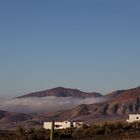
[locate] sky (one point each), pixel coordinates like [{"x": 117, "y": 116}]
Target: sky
[{"x": 91, "y": 45}]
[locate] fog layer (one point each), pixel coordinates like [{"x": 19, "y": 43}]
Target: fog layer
[{"x": 44, "y": 104}]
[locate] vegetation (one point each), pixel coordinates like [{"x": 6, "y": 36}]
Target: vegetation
[{"x": 106, "y": 131}]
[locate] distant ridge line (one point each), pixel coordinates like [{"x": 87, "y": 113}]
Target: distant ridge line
[{"x": 61, "y": 92}]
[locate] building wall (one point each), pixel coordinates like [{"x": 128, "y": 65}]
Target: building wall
[
  {"x": 66, "y": 124},
  {"x": 133, "y": 118},
  {"x": 62, "y": 125},
  {"x": 47, "y": 125},
  {"x": 58, "y": 125},
  {"x": 77, "y": 124}
]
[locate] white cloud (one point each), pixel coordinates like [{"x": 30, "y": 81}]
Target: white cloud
[{"x": 44, "y": 104}]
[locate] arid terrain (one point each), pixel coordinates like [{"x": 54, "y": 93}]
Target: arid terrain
[{"x": 112, "y": 107}]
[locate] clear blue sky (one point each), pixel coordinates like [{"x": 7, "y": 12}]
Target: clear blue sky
[{"x": 92, "y": 45}]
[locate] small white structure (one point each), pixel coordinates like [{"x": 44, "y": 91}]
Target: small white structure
[
  {"x": 133, "y": 118},
  {"x": 77, "y": 124},
  {"x": 62, "y": 125}
]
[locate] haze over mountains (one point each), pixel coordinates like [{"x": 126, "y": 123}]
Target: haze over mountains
[
  {"x": 49, "y": 100},
  {"x": 71, "y": 104}
]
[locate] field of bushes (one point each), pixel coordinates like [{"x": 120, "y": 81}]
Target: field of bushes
[{"x": 106, "y": 131}]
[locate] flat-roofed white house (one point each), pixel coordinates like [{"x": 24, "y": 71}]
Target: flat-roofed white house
[
  {"x": 133, "y": 118},
  {"x": 62, "y": 125}
]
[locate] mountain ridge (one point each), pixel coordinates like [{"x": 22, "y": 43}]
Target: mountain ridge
[
  {"x": 61, "y": 92},
  {"x": 119, "y": 105}
]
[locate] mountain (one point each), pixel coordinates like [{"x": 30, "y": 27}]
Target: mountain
[
  {"x": 116, "y": 108},
  {"x": 61, "y": 92},
  {"x": 126, "y": 102},
  {"x": 6, "y": 117},
  {"x": 125, "y": 95},
  {"x": 114, "y": 94}
]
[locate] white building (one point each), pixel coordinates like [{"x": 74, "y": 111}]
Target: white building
[
  {"x": 77, "y": 124},
  {"x": 62, "y": 125},
  {"x": 133, "y": 118}
]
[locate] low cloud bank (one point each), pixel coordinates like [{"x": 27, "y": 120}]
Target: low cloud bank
[{"x": 44, "y": 104}]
